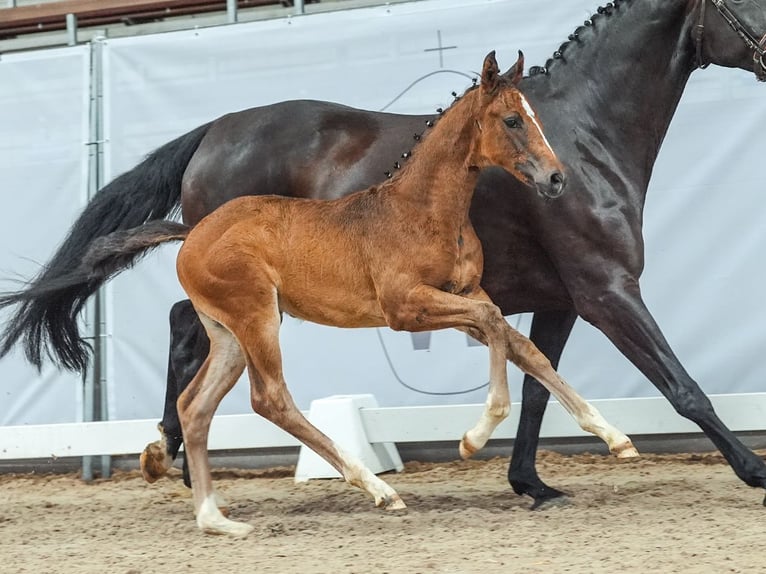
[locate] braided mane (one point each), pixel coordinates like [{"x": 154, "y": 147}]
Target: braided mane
[{"x": 578, "y": 36}]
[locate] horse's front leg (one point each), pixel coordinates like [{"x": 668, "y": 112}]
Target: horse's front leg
[
  {"x": 549, "y": 332},
  {"x": 621, "y": 314}
]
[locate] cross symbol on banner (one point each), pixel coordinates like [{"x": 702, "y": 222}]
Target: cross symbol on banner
[{"x": 440, "y": 48}]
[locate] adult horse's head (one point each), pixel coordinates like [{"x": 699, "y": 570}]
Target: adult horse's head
[
  {"x": 511, "y": 135},
  {"x": 732, "y": 33}
]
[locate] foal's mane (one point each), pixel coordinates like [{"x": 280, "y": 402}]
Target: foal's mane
[
  {"x": 581, "y": 34},
  {"x": 418, "y": 138}
]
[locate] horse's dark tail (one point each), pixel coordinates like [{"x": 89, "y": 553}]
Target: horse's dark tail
[{"x": 46, "y": 320}]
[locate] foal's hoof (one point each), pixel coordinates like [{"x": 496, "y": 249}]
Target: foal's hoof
[
  {"x": 228, "y": 528},
  {"x": 393, "y": 503},
  {"x": 155, "y": 461},
  {"x": 467, "y": 450},
  {"x": 625, "y": 450},
  {"x": 211, "y": 521}
]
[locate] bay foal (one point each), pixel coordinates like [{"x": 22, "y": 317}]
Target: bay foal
[{"x": 402, "y": 254}]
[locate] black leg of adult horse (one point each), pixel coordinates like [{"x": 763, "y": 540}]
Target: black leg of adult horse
[
  {"x": 189, "y": 346},
  {"x": 550, "y": 331},
  {"x": 623, "y": 317}
]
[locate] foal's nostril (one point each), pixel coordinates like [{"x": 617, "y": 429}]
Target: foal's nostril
[{"x": 558, "y": 182}]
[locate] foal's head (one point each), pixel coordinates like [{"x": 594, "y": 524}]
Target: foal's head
[{"x": 509, "y": 134}]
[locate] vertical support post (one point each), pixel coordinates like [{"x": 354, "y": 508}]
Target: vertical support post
[
  {"x": 100, "y": 361},
  {"x": 300, "y": 6},
  {"x": 11, "y": 3},
  {"x": 231, "y": 11},
  {"x": 88, "y": 413},
  {"x": 95, "y": 406},
  {"x": 71, "y": 30}
]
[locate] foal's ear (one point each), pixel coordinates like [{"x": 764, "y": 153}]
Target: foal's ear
[
  {"x": 516, "y": 72},
  {"x": 490, "y": 74}
]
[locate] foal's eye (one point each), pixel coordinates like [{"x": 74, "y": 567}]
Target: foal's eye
[{"x": 513, "y": 121}]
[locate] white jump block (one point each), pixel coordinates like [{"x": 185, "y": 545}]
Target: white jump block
[{"x": 340, "y": 419}]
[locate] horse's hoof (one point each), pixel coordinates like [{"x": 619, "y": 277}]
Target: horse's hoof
[
  {"x": 394, "y": 503},
  {"x": 625, "y": 450},
  {"x": 467, "y": 450},
  {"x": 154, "y": 461},
  {"x": 764, "y": 500},
  {"x": 548, "y": 503}
]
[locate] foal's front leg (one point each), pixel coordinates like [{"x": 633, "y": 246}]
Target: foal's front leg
[
  {"x": 519, "y": 350},
  {"x": 525, "y": 355},
  {"x": 426, "y": 308}
]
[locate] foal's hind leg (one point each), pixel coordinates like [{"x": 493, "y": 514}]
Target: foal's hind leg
[
  {"x": 189, "y": 346},
  {"x": 196, "y": 407},
  {"x": 271, "y": 399}
]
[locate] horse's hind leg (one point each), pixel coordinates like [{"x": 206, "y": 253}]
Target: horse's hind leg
[
  {"x": 196, "y": 407},
  {"x": 189, "y": 346},
  {"x": 271, "y": 399},
  {"x": 523, "y": 353}
]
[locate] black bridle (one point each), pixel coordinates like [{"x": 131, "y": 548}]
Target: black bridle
[{"x": 751, "y": 40}]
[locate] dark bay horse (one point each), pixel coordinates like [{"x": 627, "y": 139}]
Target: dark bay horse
[
  {"x": 401, "y": 254},
  {"x": 606, "y": 97}
]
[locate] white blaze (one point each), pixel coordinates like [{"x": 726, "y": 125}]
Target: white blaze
[{"x": 531, "y": 113}]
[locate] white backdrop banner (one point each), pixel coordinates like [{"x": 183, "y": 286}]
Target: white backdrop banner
[
  {"x": 703, "y": 222},
  {"x": 702, "y": 270},
  {"x": 43, "y": 170}
]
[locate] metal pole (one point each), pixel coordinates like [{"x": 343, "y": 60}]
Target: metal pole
[
  {"x": 231, "y": 11},
  {"x": 89, "y": 379},
  {"x": 95, "y": 406},
  {"x": 100, "y": 362},
  {"x": 300, "y": 7},
  {"x": 102, "y": 407},
  {"x": 71, "y": 29}
]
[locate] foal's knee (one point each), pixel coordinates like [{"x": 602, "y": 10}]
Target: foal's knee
[
  {"x": 491, "y": 322},
  {"x": 524, "y": 353}
]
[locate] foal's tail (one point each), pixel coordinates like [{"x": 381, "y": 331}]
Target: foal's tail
[
  {"x": 106, "y": 256},
  {"x": 46, "y": 319}
]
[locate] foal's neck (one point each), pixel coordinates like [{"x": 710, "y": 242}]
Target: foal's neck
[{"x": 438, "y": 177}]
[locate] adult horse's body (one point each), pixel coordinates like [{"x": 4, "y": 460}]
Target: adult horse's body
[{"x": 606, "y": 100}]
